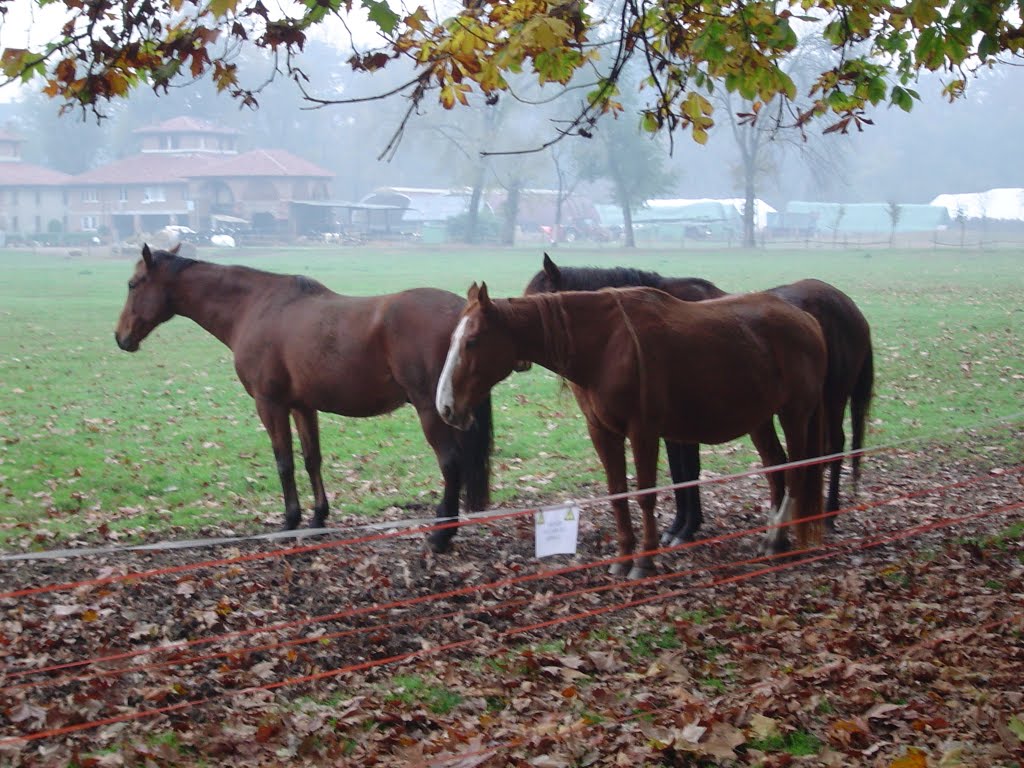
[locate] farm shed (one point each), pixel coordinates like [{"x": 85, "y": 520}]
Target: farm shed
[
  {"x": 870, "y": 217},
  {"x": 1005, "y": 204}
]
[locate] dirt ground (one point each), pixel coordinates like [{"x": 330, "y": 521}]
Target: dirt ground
[{"x": 900, "y": 643}]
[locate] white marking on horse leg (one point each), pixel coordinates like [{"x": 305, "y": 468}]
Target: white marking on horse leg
[
  {"x": 774, "y": 536},
  {"x": 444, "y": 400}
]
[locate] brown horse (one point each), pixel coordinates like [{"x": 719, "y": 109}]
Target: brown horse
[
  {"x": 849, "y": 377},
  {"x": 644, "y": 366},
  {"x": 300, "y": 348}
]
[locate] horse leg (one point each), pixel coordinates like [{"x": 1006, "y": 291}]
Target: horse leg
[
  {"x": 275, "y": 419},
  {"x": 308, "y": 426},
  {"x": 684, "y": 466},
  {"x": 835, "y": 443},
  {"x": 690, "y": 456},
  {"x": 804, "y": 439},
  {"x": 766, "y": 441},
  {"x": 645, "y": 458},
  {"x": 611, "y": 450},
  {"x": 443, "y": 440}
]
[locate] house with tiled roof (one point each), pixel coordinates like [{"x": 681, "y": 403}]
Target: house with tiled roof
[
  {"x": 189, "y": 172},
  {"x": 32, "y": 198}
]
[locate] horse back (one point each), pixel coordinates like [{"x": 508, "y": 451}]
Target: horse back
[{"x": 710, "y": 369}]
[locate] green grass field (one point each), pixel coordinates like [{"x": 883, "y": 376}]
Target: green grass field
[{"x": 96, "y": 443}]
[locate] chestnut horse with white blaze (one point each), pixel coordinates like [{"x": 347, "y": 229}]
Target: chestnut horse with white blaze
[
  {"x": 645, "y": 366},
  {"x": 849, "y": 377},
  {"x": 300, "y": 348}
]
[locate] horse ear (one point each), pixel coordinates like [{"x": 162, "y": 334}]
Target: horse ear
[
  {"x": 474, "y": 289},
  {"x": 551, "y": 269},
  {"x": 147, "y": 256},
  {"x": 175, "y": 249},
  {"x": 483, "y": 298}
]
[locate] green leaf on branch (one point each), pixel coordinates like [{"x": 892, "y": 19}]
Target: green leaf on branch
[{"x": 380, "y": 13}]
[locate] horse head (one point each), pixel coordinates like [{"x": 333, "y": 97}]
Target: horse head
[
  {"x": 548, "y": 280},
  {"x": 481, "y": 353},
  {"x": 149, "y": 298}
]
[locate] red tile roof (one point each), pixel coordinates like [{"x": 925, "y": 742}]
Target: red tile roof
[
  {"x": 145, "y": 168},
  {"x": 186, "y": 125},
  {"x": 19, "y": 174},
  {"x": 262, "y": 162}
]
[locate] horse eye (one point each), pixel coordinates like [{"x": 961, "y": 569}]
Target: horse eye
[{"x": 471, "y": 342}]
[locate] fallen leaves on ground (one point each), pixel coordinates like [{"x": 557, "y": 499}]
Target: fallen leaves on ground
[{"x": 902, "y": 655}]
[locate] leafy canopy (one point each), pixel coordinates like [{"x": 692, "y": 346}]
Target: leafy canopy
[{"x": 687, "y": 48}]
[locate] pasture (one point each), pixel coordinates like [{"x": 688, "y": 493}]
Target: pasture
[
  {"x": 99, "y": 443},
  {"x": 900, "y": 644}
]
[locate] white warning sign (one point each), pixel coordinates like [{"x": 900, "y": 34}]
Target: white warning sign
[{"x": 556, "y": 530}]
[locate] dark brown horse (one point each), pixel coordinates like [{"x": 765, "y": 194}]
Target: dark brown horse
[
  {"x": 849, "y": 377},
  {"x": 300, "y": 348},
  {"x": 644, "y": 366}
]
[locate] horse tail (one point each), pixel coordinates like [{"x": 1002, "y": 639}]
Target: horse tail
[
  {"x": 475, "y": 457},
  {"x": 860, "y": 404}
]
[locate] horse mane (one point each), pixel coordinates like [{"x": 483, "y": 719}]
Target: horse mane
[
  {"x": 174, "y": 263},
  {"x": 594, "y": 278},
  {"x": 309, "y": 285},
  {"x": 554, "y": 324}
]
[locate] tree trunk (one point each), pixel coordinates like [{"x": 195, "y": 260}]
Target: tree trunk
[
  {"x": 622, "y": 196},
  {"x": 473, "y": 214},
  {"x": 748, "y": 215},
  {"x": 511, "y": 213},
  {"x": 749, "y": 172},
  {"x": 627, "y": 227}
]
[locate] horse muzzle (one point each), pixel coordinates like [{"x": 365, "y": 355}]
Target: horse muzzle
[
  {"x": 461, "y": 421},
  {"x": 127, "y": 343}
]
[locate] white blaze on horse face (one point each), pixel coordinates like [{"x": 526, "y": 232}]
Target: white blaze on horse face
[{"x": 444, "y": 400}]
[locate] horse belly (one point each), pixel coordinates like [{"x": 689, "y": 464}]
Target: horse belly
[
  {"x": 725, "y": 409},
  {"x": 351, "y": 395}
]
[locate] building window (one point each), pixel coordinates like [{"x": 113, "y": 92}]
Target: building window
[
  {"x": 14, "y": 224},
  {"x": 90, "y": 222},
  {"x": 122, "y": 194},
  {"x": 39, "y": 224},
  {"x": 169, "y": 142},
  {"x": 154, "y": 195},
  {"x": 39, "y": 198},
  {"x": 14, "y": 197},
  {"x": 90, "y": 196}
]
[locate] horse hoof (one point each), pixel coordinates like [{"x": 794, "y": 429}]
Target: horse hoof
[
  {"x": 668, "y": 538},
  {"x": 771, "y": 548},
  {"x": 439, "y": 545},
  {"x": 619, "y": 569},
  {"x": 317, "y": 522},
  {"x": 636, "y": 572},
  {"x": 684, "y": 539}
]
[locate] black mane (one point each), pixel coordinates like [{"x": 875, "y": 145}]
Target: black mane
[{"x": 594, "y": 278}]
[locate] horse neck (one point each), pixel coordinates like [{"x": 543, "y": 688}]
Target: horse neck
[
  {"x": 549, "y": 332},
  {"x": 213, "y": 296}
]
